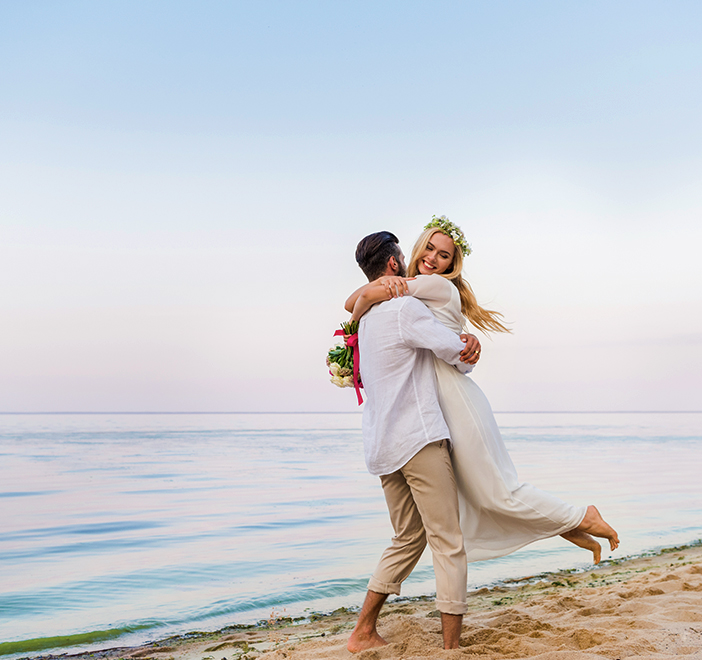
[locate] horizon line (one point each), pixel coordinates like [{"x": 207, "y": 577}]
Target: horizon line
[{"x": 313, "y": 412}]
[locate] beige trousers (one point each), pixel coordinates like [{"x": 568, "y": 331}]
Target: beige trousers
[{"x": 423, "y": 506}]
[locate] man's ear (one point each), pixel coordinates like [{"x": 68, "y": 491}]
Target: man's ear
[{"x": 394, "y": 266}]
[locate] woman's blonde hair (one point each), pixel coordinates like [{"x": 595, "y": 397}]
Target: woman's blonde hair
[{"x": 483, "y": 319}]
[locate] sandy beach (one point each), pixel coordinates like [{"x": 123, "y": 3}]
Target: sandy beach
[{"x": 642, "y": 607}]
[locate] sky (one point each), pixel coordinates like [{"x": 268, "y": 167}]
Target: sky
[{"x": 183, "y": 184}]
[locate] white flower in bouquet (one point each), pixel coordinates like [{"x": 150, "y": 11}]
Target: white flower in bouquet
[{"x": 338, "y": 381}]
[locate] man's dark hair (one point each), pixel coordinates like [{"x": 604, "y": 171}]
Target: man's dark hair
[{"x": 373, "y": 252}]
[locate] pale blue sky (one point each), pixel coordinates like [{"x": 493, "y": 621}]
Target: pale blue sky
[{"x": 183, "y": 185}]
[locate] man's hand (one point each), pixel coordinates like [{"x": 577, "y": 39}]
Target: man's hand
[{"x": 471, "y": 353}]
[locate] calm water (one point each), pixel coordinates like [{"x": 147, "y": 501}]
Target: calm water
[{"x": 123, "y": 528}]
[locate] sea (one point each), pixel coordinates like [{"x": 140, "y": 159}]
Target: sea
[{"x": 118, "y": 529}]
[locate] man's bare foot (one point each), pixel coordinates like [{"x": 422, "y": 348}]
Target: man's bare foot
[
  {"x": 365, "y": 635},
  {"x": 584, "y": 540},
  {"x": 593, "y": 523},
  {"x": 451, "y": 626},
  {"x": 360, "y": 642}
]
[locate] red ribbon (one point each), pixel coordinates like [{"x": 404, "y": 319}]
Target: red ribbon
[{"x": 352, "y": 342}]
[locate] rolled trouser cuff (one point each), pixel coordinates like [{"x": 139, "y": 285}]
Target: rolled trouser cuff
[
  {"x": 451, "y": 607},
  {"x": 384, "y": 587}
]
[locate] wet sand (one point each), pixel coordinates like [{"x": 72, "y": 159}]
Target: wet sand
[{"x": 643, "y": 607}]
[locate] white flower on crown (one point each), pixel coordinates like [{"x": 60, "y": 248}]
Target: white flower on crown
[{"x": 452, "y": 230}]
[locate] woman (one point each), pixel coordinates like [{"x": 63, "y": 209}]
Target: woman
[{"x": 498, "y": 513}]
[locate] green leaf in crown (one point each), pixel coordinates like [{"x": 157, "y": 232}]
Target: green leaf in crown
[{"x": 451, "y": 230}]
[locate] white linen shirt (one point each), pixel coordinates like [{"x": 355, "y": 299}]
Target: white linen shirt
[{"x": 402, "y": 413}]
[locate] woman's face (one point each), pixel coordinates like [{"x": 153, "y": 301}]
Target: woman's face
[{"x": 437, "y": 256}]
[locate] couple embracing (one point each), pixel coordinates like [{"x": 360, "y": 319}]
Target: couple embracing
[{"x": 430, "y": 435}]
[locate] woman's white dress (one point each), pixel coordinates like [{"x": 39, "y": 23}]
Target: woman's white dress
[{"x": 498, "y": 513}]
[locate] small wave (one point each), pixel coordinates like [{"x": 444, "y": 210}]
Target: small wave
[{"x": 28, "y": 493}]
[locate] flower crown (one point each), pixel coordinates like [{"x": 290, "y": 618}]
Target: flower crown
[{"x": 452, "y": 231}]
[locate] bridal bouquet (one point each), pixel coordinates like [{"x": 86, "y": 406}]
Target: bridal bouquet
[{"x": 341, "y": 357}]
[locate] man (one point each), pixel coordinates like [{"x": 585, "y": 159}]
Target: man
[{"x": 406, "y": 443}]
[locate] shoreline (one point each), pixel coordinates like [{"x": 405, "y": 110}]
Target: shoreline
[{"x": 409, "y": 622}]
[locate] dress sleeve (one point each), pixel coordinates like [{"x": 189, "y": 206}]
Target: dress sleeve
[{"x": 431, "y": 288}]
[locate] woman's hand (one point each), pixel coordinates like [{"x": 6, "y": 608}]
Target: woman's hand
[
  {"x": 384, "y": 288},
  {"x": 394, "y": 285}
]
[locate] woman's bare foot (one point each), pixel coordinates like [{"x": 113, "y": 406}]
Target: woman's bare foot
[
  {"x": 584, "y": 540},
  {"x": 593, "y": 523},
  {"x": 360, "y": 642}
]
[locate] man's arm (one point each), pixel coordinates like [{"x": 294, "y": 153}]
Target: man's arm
[{"x": 419, "y": 329}]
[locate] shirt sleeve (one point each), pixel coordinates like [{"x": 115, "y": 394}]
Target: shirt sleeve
[{"x": 419, "y": 329}]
